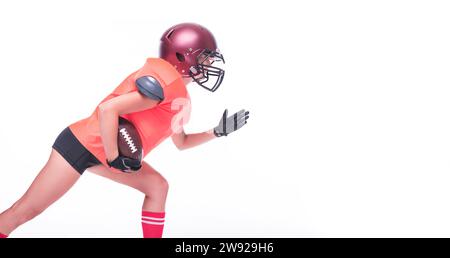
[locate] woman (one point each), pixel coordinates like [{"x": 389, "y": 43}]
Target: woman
[{"x": 155, "y": 100}]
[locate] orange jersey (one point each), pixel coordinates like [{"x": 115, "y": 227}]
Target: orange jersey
[{"x": 154, "y": 125}]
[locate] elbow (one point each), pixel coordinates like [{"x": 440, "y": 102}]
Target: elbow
[
  {"x": 180, "y": 146},
  {"x": 103, "y": 108},
  {"x": 180, "y": 142}
]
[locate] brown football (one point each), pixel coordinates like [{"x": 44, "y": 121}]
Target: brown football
[{"x": 128, "y": 140}]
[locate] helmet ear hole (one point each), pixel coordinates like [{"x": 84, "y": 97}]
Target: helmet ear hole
[{"x": 180, "y": 57}]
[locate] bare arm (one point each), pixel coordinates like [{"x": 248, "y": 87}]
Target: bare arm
[
  {"x": 109, "y": 112},
  {"x": 185, "y": 141},
  {"x": 227, "y": 125}
]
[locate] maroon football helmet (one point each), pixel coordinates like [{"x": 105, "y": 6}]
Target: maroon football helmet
[{"x": 192, "y": 50}]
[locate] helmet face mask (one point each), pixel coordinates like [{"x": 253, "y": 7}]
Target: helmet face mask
[{"x": 204, "y": 73}]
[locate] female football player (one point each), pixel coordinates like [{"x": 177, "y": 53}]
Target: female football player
[{"x": 154, "y": 98}]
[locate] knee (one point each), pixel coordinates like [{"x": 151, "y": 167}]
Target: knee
[{"x": 156, "y": 187}]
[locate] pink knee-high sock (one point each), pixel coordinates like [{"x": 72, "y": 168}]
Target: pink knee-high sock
[
  {"x": 153, "y": 224},
  {"x": 3, "y": 236}
]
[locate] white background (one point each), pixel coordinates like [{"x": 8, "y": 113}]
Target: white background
[{"x": 348, "y": 134}]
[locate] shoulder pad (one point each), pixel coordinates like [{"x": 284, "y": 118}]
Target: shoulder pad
[{"x": 150, "y": 87}]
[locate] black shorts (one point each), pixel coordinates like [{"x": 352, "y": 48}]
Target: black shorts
[{"x": 74, "y": 152}]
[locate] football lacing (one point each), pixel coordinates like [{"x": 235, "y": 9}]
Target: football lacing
[{"x": 128, "y": 139}]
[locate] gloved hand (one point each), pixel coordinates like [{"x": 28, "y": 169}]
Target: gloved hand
[
  {"x": 125, "y": 164},
  {"x": 229, "y": 124}
]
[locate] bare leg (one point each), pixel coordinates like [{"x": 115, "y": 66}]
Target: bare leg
[
  {"x": 153, "y": 185},
  {"x": 53, "y": 181},
  {"x": 147, "y": 180}
]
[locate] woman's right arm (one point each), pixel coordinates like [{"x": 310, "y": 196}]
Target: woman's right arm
[{"x": 109, "y": 112}]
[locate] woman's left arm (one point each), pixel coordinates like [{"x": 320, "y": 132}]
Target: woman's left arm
[
  {"x": 185, "y": 141},
  {"x": 227, "y": 125}
]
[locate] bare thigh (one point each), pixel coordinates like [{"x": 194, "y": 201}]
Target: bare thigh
[
  {"x": 145, "y": 180},
  {"x": 52, "y": 182}
]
